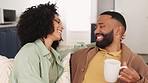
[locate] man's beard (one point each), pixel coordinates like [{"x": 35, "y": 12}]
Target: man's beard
[{"x": 106, "y": 41}]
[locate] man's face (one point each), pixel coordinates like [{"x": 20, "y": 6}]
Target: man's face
[
  {"x": 104, "y": 32},
  {"x": 106, "y": 40}
]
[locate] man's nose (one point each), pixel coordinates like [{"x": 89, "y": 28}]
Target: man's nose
[{"x": 97, "y": 30}]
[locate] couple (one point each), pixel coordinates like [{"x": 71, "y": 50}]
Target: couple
[{"x": 40, "y": 27}]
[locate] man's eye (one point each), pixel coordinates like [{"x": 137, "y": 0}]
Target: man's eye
[{"x": 102, "y": 26}]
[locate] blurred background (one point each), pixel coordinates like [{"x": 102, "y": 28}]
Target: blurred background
[{"x": 79, "y": 17}]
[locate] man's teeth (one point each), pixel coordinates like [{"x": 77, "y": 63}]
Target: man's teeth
[{"x": 99, "y": 37}]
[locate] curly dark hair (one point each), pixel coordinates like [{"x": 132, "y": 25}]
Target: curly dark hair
[{"x": 36, "y": 22}]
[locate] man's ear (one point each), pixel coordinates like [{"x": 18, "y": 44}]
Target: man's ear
[
  {"x": 118, "y": 30},
  {"x": 123, "y": 37}
]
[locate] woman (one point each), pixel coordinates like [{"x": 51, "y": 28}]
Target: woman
[{"x": 37, "y": 62}]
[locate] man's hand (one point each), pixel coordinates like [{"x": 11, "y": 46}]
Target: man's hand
[{"x": 129, "y": 75}]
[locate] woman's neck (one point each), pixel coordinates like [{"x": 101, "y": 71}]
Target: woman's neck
[{"x": 47, "y": 43}]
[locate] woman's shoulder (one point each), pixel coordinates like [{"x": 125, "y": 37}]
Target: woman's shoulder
[
  {"x": 28, "y": 51},
  {"x": 29, "y": 47}
]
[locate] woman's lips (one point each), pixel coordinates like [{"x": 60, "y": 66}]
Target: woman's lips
[{"x": 60, "y": 31}]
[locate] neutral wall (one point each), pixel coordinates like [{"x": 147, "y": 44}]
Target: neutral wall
[
  {"x": 136, "y": 14},
  {"x": 103, "y": 5},
  {"x": 75, "y": 15},
  {"x": 94, "y": 12}
]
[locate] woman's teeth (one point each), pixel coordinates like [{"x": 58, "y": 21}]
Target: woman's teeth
[{"x": 59, "y": 31}]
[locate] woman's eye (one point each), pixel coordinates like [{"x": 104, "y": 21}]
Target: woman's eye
[{"x": 58, "y": 21}]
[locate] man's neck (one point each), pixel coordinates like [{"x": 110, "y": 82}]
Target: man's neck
[{"x": 113, "y": 47}]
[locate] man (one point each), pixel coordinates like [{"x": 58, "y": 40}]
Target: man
[{"x": 87, "y": 65}]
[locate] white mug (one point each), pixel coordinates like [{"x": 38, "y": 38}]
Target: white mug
[{"x": 111, "y": 70}]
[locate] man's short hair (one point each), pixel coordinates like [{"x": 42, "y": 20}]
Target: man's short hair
[{"x": 117, "y": 16}]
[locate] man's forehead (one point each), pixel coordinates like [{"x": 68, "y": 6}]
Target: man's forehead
[{"x": 104, "y": 17}]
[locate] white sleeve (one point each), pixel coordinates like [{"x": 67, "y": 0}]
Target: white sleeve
[
  {"x": 65, "y": 77},
  {"x": 5, "y": 69}
]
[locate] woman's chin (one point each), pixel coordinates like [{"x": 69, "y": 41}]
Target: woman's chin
[{"x": 58, "y": 38}]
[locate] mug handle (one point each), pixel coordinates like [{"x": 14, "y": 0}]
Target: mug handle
[{"x": 122, "y": 68}]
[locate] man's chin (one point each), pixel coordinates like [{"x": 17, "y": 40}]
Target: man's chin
[
  {"x": 98, "y": 41},
  {"x": 100, "y": 44}
]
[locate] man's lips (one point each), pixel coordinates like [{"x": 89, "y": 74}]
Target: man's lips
[{"x": 99, "y": 37}]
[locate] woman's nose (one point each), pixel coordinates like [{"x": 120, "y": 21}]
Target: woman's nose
[{"x": 61, "y": 25}]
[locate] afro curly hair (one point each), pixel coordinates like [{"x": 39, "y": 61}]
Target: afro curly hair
[{"x": 36, "y": 22}]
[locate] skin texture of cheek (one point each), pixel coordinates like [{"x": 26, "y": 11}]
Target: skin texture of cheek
[{"x": 57, "y": 35}]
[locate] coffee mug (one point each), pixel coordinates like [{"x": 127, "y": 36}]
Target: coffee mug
[{"x": 111, "y": 70}]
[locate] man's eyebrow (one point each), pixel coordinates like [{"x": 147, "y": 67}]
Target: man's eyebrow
[{"x": 100, "y": 23}]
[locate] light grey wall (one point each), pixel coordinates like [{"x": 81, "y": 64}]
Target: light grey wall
[
  {"x": 103, "y": 5},
  {"x": 94, "y": 11},
  {"x": 136, "y": 14},
  {"x": 98, "y": 6}
]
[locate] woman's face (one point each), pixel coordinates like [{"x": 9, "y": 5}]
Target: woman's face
[{"x": 58, "y": 28}]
